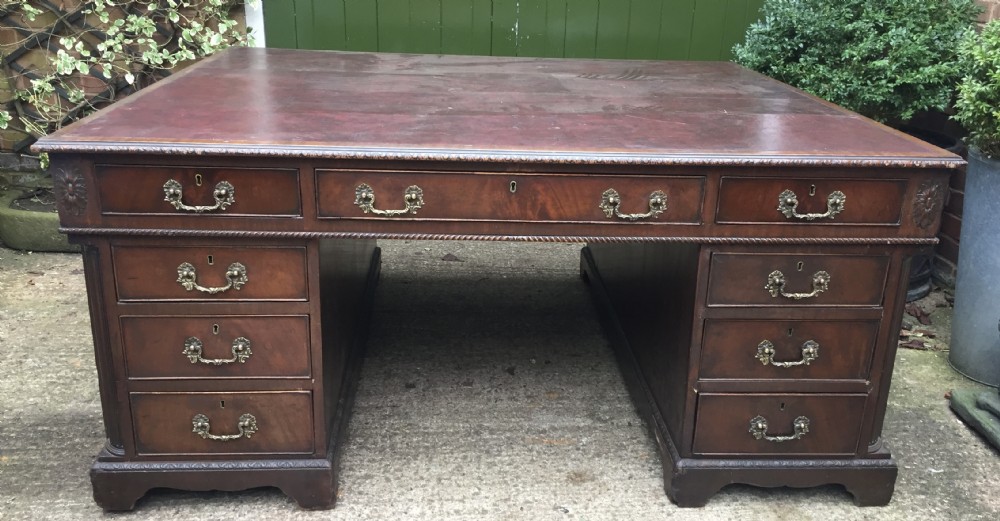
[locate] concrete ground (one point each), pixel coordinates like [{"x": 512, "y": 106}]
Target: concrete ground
[{"x": 489, "y": 392}]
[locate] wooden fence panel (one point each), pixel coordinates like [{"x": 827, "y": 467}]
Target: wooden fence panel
[{"x": 638, "y": 29}]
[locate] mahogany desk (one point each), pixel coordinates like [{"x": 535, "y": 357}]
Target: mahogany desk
[{"x": 748, "y": 243}]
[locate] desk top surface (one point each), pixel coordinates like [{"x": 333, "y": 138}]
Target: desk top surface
[{"x": 274, "y": 102}]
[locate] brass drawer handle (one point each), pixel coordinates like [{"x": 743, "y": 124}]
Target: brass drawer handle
[
  {"x": 364, "y": 197},
  {"x": 611, "y": 201},
  {"x": 788, "y": 202},
  {"x": 193, "y": 347},
  {"x": 236, "y": 274},
  {"x": 247, "y": 426},
  {"x": 758, "y": 428},
  {"x": 765, "y": 353},
  {"x": 776, "y": 285},
  {"x": 224, "y": 194}
]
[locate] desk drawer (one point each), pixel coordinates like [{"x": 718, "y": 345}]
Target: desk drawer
[
  {"x": 253, "y": 422},
  {"x": 253, "y": 191},
  {"x": 510, "y": 197},
  {"x": 796, "y": 279},
  {"x": 212, "y": 273},
  {"x": 723, "y": 425},
  {"x": 240, "y": 346},
  {"x": 787, "y": 349},
  {"x": 756, "y": 200}
]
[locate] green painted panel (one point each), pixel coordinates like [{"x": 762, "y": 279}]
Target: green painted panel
[
  {"x": 482, "y": 27},
  {"x": 675, "y": 30},
  {"x": 643, "y": 29},
  {"x": 425, "y": 26},
  {"x": 581, "y": 28},
  {"x": 733, "y": 28},
  {"x": 531, "y": 27},
  {"x": 361, "y": 32},
  {"x": 279, "y": 24},
  {"x": 555, "y": 28},
  {"x": 457, "y": 25},
  {"x": 638, "y": 29},
  {"x": 325, "y": 27},
  {"x": 612, "y": 29},
  {"x": 706, "y": 30},
  {"x": 393, "y": 25}
]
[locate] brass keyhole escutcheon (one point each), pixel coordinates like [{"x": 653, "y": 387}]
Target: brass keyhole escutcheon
[
  {"x": 215, "y": 329},
  {"x": 222, "y": 404},
  {"x": 211, "y": 260},
  {"x": 513, "y": 186},
  {"x": 812, "y": 190},
  {"x": 198, "y": 179},
  {"x": 791, "y": 331},
  {"x": 800, "y": 265}
]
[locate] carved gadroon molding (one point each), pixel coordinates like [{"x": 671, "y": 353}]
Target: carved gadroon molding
[
  {"x": 70, "y": 191},
  {"x": 927, "y": 203}
]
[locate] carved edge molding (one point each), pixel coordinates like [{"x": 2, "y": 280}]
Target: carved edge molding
[
  {"x": 182, "y": 466},
  {"x": 70, "y": 191},
  {"x": 494, "y": 238},
  {"x": 928, "y": 202},
  {"x": 490, "y": 156}
]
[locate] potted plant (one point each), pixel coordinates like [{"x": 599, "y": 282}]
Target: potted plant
[
  {"x": 975, "y": 343},
  {"x": 888, "y": 60}
]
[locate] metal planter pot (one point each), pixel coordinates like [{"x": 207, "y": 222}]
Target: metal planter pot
[{"x": 975, "y": 342}]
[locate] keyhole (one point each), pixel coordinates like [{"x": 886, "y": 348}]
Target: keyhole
[
  {"x": 198, "y": 179},
  {"x": 211, "y": 260},
  {"x": 222, "y": 404},
  {"x": 782, "y": 406},
  {"x": 513, "y": 186},
  {"x": 215, "y": 329},
  {"x": 812, "y": 189},
  {"x": 791, "y": 331},
  {"x": 800, "y": 265}
]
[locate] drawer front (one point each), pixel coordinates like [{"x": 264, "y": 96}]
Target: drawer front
[
  {"x": 277, "y": 422},
  {"x": 216, "y": 346},
  {"x": 510, "y": 197},
  {"x": 213, "y": 273},
  {"x": 794, "y": 279},
  {"x": 787, "y": 349},
  {"x": 757, "y": 200},
  {"x": 724, "y": 426},
  {"x": 141, "y": 190}
]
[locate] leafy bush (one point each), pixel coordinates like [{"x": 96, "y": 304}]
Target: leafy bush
[
  {"x": 977, "y": 107},
  {"x": 886, "y": 59}
]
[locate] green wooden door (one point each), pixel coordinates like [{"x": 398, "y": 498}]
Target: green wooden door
[{"x": 639, "y": 29}]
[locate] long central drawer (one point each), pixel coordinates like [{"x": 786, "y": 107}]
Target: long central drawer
[{"x": 512, "y": 197}]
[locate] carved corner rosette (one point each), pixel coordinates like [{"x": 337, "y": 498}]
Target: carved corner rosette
[
  {"x": 928, "y": 202},
  {"x": 70, "y": 189}
]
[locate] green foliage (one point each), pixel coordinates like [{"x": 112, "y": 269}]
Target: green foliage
[
  {"x": 886, "y": 59},
  {"x": 125, "y": 45},
  {"x": 977, "y": 107}
]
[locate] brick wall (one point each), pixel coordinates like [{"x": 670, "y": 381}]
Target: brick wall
[
  {"x": 991, "y": 10},
  {"x": 946, "y": 253}
]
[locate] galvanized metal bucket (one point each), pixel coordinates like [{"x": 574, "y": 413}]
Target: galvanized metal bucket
[{"x": 975, "y": 344}]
